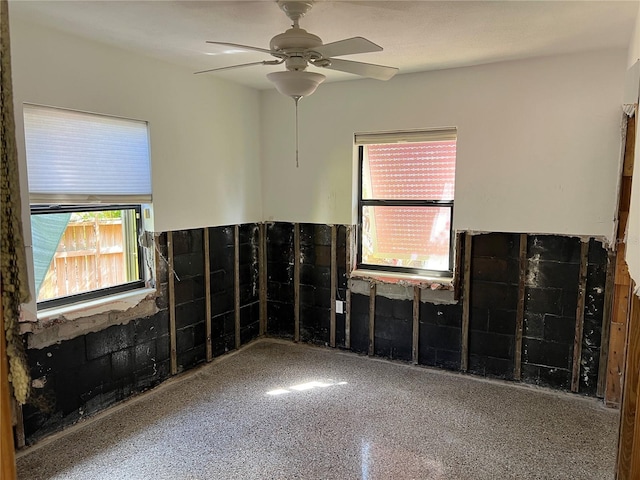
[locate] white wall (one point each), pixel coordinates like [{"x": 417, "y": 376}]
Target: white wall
[
  {"x": 538, "y": 142},
  {"x": 204, "y": 132},
  {"x": 205, "y": 148},
  {"x": 633, "y": 232}
]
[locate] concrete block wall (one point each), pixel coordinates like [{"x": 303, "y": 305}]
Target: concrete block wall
[{"x": 84, "y": 375}]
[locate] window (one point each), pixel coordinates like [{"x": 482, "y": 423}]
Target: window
[
  {"x": 89, "y": 181},
  {"x": 405, "y": 206}
]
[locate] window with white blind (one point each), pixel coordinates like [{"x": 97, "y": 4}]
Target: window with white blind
[
  {"x": 89, "y": 177},
  {"x": 406, "y": 196}
]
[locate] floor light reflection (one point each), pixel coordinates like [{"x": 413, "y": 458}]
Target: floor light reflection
[{"x": 304, "y": 386}]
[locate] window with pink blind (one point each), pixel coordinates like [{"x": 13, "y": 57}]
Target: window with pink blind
[{"x": 406, "y": 204}]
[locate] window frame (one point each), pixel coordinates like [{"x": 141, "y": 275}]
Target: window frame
[
  {"x": 362, "y": 202},
  {"x": 43, "y": 209}
]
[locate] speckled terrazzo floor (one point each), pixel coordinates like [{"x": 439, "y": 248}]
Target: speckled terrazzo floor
[{"x": 280, "y": 410}]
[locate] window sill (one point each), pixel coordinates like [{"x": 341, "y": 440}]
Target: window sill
[
  {"x": 69, "y": 321},
  {"x": 423, "y": 281},
  {"x": 399, "y": 286}
]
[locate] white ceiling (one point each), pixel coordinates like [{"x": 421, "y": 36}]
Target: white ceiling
[{"x": 416, "y": 35}]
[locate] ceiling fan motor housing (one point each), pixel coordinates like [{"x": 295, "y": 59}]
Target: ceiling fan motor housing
[{"x": 295, "y": 40}]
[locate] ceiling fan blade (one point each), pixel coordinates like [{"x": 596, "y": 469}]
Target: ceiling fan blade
[
  {"x": 231, "y": 66},
  {"x": 348, "y": 46},
  {"x": 241, "y": 47},
  {"x": 379, "y": 72}
]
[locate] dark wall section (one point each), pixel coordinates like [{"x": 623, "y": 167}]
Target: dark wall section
[
  {"x": 551, "y": 291},
  {"x": 84, "y": 375},
  {"x": 551, "y": 299},
  {"x": 280, "y": 267},
  {"x": 393, "y": 328},
  {"x": 440, "y": 335},
  {"x": 341, "y": 294},
  {"x": 494, "y": 297},
  {"x": 249, "y": 241},
  {"x": 221, "y": 260},
  {"x": 315, "y": 283},
  {"x": 359, "y": 323},
  {"x": 188, "y": 264},
  {"x": 593, "y": 312}
]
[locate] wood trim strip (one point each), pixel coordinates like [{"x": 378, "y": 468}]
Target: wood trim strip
[
  {"x": 517, "y": 368},
  {"x": 457, "y": 280},
  {"x": 236, "y": 283},
  {"x": 416, "y": 324},
  {"x": 7, "y": 447},
  {"x": 334, "y": 284},
  {"x": 628, "y": 443},
  {"x": 172, "y": 305},
  {"x": 577, "y": 341},
  {"x": 347, "y": 322},
  {"x": 609, "y": 286},
  {"x": 633, "y": 370},
  {"x": 466, "y": 303},
  {"x": 372, "y": 318},
  {"x": 207, "y": 293},
  {"x": 20, "y": 436},
  {"x": 296, "y": 282},
  {"x": 262, "y": 275}
]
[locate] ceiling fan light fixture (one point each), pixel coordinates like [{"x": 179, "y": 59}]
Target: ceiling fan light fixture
[{"x": 296, "y": 83}]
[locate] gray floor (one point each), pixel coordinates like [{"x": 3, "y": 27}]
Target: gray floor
[{"x": 362, "y": 418}]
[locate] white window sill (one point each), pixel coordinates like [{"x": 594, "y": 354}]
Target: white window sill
[{"x": 69, "y": 321}]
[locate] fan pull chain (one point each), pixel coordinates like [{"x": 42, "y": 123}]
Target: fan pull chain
[{"x": 296, "y": 100}]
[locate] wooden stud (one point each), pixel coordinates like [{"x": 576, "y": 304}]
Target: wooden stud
[
  {"x": 351, "y": 244},
  {"x": 296, "y": 282},
  {"x": 633, "y": 369},
  {"x": 517, "y": 368},
  {"x": 622, "y": 280},
  {"x": 347, "y": 322},
  {"x": 236, "y": 283},
  {"x": 262, "y": 266},
  {"x": 21, "y": 439},
  {"x": 606, "y": 325},
  {"x": 172, "y": 306},
  {"x": 334, "y": 284},
  {"x": 372, "y": 318},
  {"x": 457, "y": 278},
  {"x": 416, "y": 324},
  {"x": 577, "y": 341},
  {"x": 628, "y": 468},
  {"x": 466, "y": 297},
  {"x": 207, "y": 294}
]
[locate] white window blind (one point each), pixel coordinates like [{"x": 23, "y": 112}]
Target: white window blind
[{"x": 78, "y": 157}]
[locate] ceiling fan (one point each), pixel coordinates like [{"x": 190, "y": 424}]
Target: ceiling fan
[{"x": 298, "y": 49}]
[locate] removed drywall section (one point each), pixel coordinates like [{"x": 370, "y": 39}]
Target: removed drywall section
[
  {"x": 248, "y": 281},
  {"x": 494, "y": 290},
  {"x": 384, "y": 326},
  {"x": 315, "y": 283},
  {"x": 221, "y": 257},
  {"x": 550, "y": 311},
  {"x": 188, "y": 265},
  {"x": 84, "y": 375},
  {"x": 280, "y": 267}
]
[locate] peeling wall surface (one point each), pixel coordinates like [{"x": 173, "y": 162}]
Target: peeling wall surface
[{"x": 85, "y": 374}]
